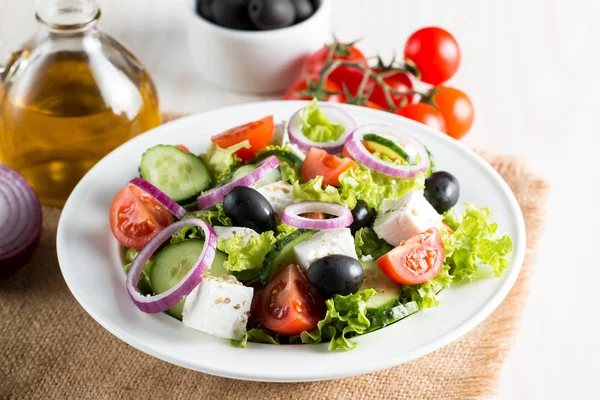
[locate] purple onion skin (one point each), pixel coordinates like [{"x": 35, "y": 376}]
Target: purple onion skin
[{"x": 11, "y": 265}]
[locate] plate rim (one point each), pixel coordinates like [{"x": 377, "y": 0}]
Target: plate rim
[{"x": 482, "y": 313}]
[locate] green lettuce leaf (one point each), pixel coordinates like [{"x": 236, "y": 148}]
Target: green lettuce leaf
[
  {"x": 314, "y": 190},
  {"x": 246, "y": 257},
  {"x": 475, "y": 250},
  {"x": 316, "y": 126},
  {"x": 214, "y": 216},
  {"x": 284, "y": 230},
  {"x": 221, "y": 162},
  {"x": 367, "y": 243},
  {"x": 288, "y": 174},
  {"x": 144, "y": 284},
  {"x": 346, "y": 317},
  {"x": 372, "y": 187},
  {"x": 255, "y": 335},
  {"x": 426, "y": 294}
]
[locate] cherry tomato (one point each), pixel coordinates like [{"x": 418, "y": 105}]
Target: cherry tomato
[
  {"x": 314, "y": 63},
  {"x": 182, "y": 147},
  {"x": 400, "y": 82},
  {"x": 457, "y": 110},
  {"x": 435, "y": 52},
  {"x": 290, "y": 304},
  {"x": 329, "y": 166},
  {"x": 258, "y": 133},
  {"x": 293, "y": 93},
  {"x": 136, "y": 217},
  {"x": 425, "y": 114},
  {"x": 415, "y": 260},
  {"x": 373, "y": 105}
]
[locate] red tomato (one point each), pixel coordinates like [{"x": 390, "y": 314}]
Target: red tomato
[
  {"x": 294, "y": 92},
  {"x": 182, "y": 147},
  {"x": 346, "y": 154},
  {"x": 457, "y": 110},
  {"x": 425, "y": 114},
  {"x": 136, "y": 217},
  {"x": 290, "y": 304},
  {"x": 329, "y": 166},
  {"x": 258, "y": 133},
  {"x": 435, "y": 52},
  {"x": 374, "y": 106},
  {"x": 314, "y": 63},
  {"x": 400, "y": 82},
  {"x": 415, "y": 260}
]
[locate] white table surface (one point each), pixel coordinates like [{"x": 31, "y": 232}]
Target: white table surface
[{"x": 533, "y": 71}]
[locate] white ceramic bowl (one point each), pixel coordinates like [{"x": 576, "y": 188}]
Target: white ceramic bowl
[
  {"x": 91, "y": 263},
  {"x": 259, "y": 62}
]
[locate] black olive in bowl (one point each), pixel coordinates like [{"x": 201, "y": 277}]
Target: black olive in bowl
[
  {"x": 231, "y": 14},
  {"x": 304, "y": 9},
  {"x": 271, "y": 14}
]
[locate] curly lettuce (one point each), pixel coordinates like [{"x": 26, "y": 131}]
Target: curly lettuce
[
  {"x": 214, "y": 216},
  {"x": 475, "y": 250},
  {"x": 346, "y": 317},
  {"x": 317, "y": 127},
  {"x": 221, "y": 162},
  {"x": 367, "y": 243},
  {"x": 314, "y": 190},
  {"x": 246, "y": 257}
]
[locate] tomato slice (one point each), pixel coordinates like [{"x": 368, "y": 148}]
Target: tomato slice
[
  {"x": 290, "y": 304},
  {"x": 136, "y": 217},
  {"x": 258, "y": 133},
  {"x": 319, "y": 162},
  {"x": 415, "y": 260}
]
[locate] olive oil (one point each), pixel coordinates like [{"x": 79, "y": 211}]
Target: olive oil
[{"x": 69, "y": 99}]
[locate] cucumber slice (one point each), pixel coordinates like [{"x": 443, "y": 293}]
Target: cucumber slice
[
  {"x": 181, "y": 176},
  {"x": 284, "y": 156},
  {"x": 282, "y": 254},
  {"x": 384, "y": 308},
  {"x": 375, "y": 143},
  {"x": 174, "y": 261}
]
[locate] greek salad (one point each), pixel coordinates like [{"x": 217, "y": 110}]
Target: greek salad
[{"x": 306, "y": 231}]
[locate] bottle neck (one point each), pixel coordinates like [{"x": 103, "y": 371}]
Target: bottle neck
[{"x": 67, "y": 14}]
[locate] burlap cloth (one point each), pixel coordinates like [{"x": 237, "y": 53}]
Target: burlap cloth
[{"x": 50, "y": 348}]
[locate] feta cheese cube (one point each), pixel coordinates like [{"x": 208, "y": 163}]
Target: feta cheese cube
[
  {"x": 325, "y": 243},
  {"x": 219, "y": 307},
  {"x": 280, "y": 135},
  {"x": 402, "y": 218},
  {"x": 279, "y": 194},
  {"x": 225, "y": 232}
]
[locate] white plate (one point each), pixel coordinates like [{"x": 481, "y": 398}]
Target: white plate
[{"x": 91, "y": 265}]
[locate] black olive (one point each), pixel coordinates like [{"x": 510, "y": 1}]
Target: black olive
[
  {"x": 271, "y": 14},
  {"x": 203, "y": 9},
  {"x": 316, "y": 4},
  {"x": 231, "y": 14},
  {"x": 304, "y": 9},
  {"x": 336, "y": 274},
  {"x": 441, "y": 191},
  {"x": 248, "y": 208},
  {"x": 363, "y": 216}
]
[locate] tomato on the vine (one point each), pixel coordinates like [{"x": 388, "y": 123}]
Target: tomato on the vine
[
  {"x": 435, "y": 53},
  {"x": 399, "y": 81},
  {"x": 457, "y": 110},
  {"x": 425, "y": 114},
  {"x": 347, "y": 52},
  {"x": 301, "y": 85}
]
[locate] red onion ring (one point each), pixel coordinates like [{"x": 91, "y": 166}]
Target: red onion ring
[
  {"x": 173, "y": 296},
  {"x": 20, "y": 221},
  {"x": 356, "y": 148},
  {"x": 291, "y": 215},
  {"x": 159, "y": 196},
  {"x": 336, "y": 116},
  {"x": 216, "y": 195}
]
